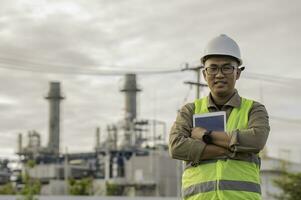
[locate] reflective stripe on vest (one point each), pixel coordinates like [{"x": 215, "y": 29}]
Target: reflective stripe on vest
[
  {"x": 224, "y": 178},
  {"x": 222, "y": 185}
]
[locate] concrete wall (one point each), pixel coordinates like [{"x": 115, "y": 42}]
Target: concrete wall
[
  {"x": 55, "y": 187},
  {"x": 157, "y": 168},
  {"x": 56, "y": 171},
  {"x": 45, "y": 171}
]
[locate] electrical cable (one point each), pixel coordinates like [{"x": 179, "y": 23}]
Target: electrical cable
[
  {"x": 56, "y": 68},
  {"x": 33, "y": 66}
]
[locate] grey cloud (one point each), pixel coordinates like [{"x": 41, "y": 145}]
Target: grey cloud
[{"x": 137, "y": 35}]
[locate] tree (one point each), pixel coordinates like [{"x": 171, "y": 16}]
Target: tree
[
  {"x": 32, "y": 186},
  {"x": 290, "y": 184}
]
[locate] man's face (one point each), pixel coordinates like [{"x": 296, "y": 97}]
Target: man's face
[{"x": 221, "y": 84}]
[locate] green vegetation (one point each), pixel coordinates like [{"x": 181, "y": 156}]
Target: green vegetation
[
  {"x": 7, "y": 189},
  {"x": 290, "y": 184},
  {"x": 114, "y": 189},
  {"x": 31, "y": 163},
  {"x": 32, "y": 186},
  {"x": 81, "y": 187}
]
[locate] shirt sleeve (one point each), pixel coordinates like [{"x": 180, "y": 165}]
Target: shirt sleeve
[
  {"x": 253, "y": 139},
  {"x": 181, "y": 145}
]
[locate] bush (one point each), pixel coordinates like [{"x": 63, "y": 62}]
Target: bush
[
  {"x": 80, "y": 187},
  {"x": 114, "y": 189},
  {"x": 6, "y": 189},
  {"x": 290, "y": 184}
]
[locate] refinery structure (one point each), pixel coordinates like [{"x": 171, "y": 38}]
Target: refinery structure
[
  {"x": 123, "y": 159},
  {"x": 132, "y": 160}
]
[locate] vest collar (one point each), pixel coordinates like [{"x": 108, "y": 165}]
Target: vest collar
[{"x": 234, "y": 101}]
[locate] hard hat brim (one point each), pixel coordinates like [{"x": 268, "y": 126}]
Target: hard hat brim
[{"x": 204, "y": 58}]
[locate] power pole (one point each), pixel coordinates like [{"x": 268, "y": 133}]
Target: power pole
[{"x": 198, "y": 83}]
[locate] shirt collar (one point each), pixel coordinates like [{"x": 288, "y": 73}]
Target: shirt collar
[{"x": 234, "y": 101}]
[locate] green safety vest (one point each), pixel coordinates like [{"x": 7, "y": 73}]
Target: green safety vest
[{"x": 224, "y": 179}]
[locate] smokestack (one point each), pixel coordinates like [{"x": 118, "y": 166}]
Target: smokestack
[
  {"x": 97, "y": 137},
  {"x": 20, "y": 143},
  {"x": 130, "y": 89},
  {"x": 54, "y": 97}
]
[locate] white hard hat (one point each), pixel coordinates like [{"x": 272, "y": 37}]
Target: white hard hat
[{"x": 222, "y": 45}]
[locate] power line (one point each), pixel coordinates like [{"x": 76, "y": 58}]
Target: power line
[
  {"x": 34, "y": 65},
  {"x": 266, "y": 77},
  {"x": 59, "y": 68},
  {"x": 94, "y": 72},
  {"x": 270, "y": 78}
]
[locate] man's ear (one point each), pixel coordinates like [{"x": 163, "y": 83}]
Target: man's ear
[
  {"x": 238, "y": 72},
  {"x": 204, "y": 75}
]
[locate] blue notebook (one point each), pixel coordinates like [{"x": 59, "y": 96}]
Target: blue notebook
[{"x": 214, "y": 121}]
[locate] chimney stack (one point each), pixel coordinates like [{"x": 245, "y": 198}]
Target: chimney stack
[
  {"x": 54, "y": 97},
  {"x": 130, "y": 89}
]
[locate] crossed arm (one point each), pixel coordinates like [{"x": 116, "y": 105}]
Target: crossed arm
[
  {"x": 220, "y": 146},
  {"x": 185, "y": 142}
]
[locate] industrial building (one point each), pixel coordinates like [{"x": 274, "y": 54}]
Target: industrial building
[
  {"x": 124, "y": 159},
  {"x": 5, "y": 172}
]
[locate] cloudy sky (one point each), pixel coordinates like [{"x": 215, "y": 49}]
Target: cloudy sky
[{"x": 74, "y": 42}]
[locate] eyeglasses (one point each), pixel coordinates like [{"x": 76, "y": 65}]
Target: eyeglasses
[{"x": 226, "y": 69}]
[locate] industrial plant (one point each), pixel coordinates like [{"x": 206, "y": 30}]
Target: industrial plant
[
  {"x": 132, "y": 160},
  {"x": 124, "y": 160}
]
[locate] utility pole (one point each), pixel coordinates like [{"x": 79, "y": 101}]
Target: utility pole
[
  {"x": 66, "y": 170},
  {"x": 198, "y": 83}
]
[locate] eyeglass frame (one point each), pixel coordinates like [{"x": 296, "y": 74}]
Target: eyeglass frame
[{"x": 221, "y": 69}]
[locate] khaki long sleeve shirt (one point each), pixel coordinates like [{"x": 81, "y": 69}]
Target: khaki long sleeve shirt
[{"x": 244, "y": 143}]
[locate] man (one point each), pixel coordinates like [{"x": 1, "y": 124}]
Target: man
[{"x": 221, "y": 165}]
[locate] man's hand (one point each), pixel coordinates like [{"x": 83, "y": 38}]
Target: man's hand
[
  {"x": 219, "y": 138},
  {"x": 220, "y": 146},
  {"x": 213, "y": 151},
  {"x": 197, "y": 133}
]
